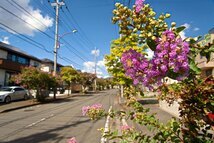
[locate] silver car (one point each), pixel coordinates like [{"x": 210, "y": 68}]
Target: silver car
[{"x": 11, "y": 93}]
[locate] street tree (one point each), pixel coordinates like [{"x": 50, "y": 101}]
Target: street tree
[
  {"x": 34, "y": 79},
  {"x": 69, "y": 76},
  {"x": 86, "y": 80}
]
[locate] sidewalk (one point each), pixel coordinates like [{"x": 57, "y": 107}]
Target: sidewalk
[
  {"x": 152, "y": 104},
  {"x": 32, "y": 102}
]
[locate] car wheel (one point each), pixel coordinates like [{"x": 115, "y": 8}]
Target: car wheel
[
  {"x": 7, "y": 99},
  {"x": 25, "y": 97}
]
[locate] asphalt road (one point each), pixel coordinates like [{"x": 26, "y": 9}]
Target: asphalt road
[{"x": 55, "y": 122}]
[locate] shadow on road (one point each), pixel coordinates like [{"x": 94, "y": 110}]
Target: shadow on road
[
  {"x": 58, "y": 100},
  {"x": 148, "y": 101},
  {"x": 50, "y": 135}
]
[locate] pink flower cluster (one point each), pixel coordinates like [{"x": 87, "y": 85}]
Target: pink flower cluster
[
  {"x": 139, "y": 4},
  {"x": 86, "y": 109},
  {"x": 170, "y": 59},
  {"x": 72, "y": 140},
  {"x": 125, "y": 128}
]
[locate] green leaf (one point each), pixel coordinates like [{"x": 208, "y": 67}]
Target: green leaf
[
  {"x": 179, "y": 29},
  {"x": 194, "y": 67},
  {"x": 151, "y": 44}
]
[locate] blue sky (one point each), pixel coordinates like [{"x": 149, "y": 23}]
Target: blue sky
[{"x": 92, "y": 19}]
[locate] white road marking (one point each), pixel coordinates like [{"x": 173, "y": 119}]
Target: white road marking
[
  {"x": 106, "y": 129},
  {"x": 41, "y": 120}
]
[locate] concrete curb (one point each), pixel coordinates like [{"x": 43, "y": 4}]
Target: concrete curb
[
  {"x": 106, "y": 129},
  {"x": 34, "y": 104},
  {"x": 17, "y": 108}
]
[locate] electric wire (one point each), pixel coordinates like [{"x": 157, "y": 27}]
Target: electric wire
[
  {"x": 43, "y": 32},
  {"x": 27, "y": 23},
  {"x": 33, "y": 42}
]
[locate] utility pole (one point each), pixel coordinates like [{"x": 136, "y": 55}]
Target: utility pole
[
  {"x": 57, "y": 4},
  {"x": 95, "y": 69}
]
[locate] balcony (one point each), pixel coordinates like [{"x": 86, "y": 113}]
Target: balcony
[{"x": 10, "y": 65}]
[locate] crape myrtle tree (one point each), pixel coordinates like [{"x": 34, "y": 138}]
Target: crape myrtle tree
[
  {"x": 113, "y": 60},
  {"x": 101, "y": 83},
  {"x": 70, "y": 76},
  {"x": 86, "y": 80},
  {"x": 110, "y": 83},
  {"x": 174, "y": 57},
  {"x": 34, "y": 79},
  {"x": 104, "y": 83}
]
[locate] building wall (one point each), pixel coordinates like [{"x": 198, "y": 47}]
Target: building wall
[
  {"x": 2, "y": 77},
  {"x": 3, "y": 54},
  {"x": 47, "y": 67},
  {"x": 35, "y": 63},
  {"x": 206, "y": 67}
]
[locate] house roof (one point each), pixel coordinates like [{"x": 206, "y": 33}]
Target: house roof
[
  {"x": 18, "y": 51},
  {"x": 50, "y": 62}
]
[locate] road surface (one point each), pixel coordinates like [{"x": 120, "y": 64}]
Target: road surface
[{"x": 55, "y": 122}]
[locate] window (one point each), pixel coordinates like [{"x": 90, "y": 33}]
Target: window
[
  {"x": 16, "y": 58},
  {"x": 35, "y": 64},
  {"x": 18, "y": 89},
  {"x": 7, "y": 80}
]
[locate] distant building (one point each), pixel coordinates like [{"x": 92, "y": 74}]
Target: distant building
[
  {"x": 206, "y": 67},
  {"x": 48, "y": 66},
  {"x": 13, "y": 59}
]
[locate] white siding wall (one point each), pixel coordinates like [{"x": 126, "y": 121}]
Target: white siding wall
[
  {"x": 45, "y": 69},
  {"x": 172, "y": 109},
  {"x": 3, "y": 54},
  {"x": 32, "y": 63},
  {"x": 2, "y": 76}
]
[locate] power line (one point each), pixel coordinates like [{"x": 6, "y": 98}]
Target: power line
[
  {"x": 27, "y": 22},
  {"x": 63, "y": 21},
  {"x": 39, "y": 29},
  {"x": 23, "y": 9},
  {"x": 30, "y": 40},
  {"x": 33, "y": 42}
]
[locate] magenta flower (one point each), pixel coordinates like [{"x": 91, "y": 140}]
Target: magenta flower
[
  {"x": 125, "y": 128},
  {"x": 139, "y": 4},
  {"x": 170, "y": 57},
  {"x": 72, "y": 140},
  {"x": 97, "y": 106},
  {"x": 85, "y": 110}
]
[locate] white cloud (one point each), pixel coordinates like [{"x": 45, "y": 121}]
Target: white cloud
[
  {"x": 150, "y": 53},
  {"x": 89, "y": 67},
  {"x": 95, "y": 52},
  {"x": 101, "y": 63},
  {"x": 5, "y": 40},
  {"x": 196, "y": 29},
  {"x": 40, "y": 21},
  {"x": 186, "y": 25},
  {"x": 182, "y": 34}
]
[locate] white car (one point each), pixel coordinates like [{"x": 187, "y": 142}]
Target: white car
[{"x": 11, "y": 93}]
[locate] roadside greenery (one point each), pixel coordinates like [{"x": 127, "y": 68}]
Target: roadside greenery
[
  {"x": 86, "y": 80},
  {"x": 142, "y": 29},
  {"x": 70, "y": 76},
  {"x": 34, "y": 79}
]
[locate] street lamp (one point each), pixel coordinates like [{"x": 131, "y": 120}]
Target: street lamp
[
  {"x": 60, "y": 36},
  {"x": 58, "y": 46}
]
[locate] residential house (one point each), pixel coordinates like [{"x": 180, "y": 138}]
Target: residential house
[
  {"x": 13, "y": 59},
  {"x": 206, "y": 67},
  {"x": 48, "y": 66}
]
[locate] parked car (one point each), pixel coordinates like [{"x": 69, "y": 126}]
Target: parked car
[{"x": 11, "y": 93}]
